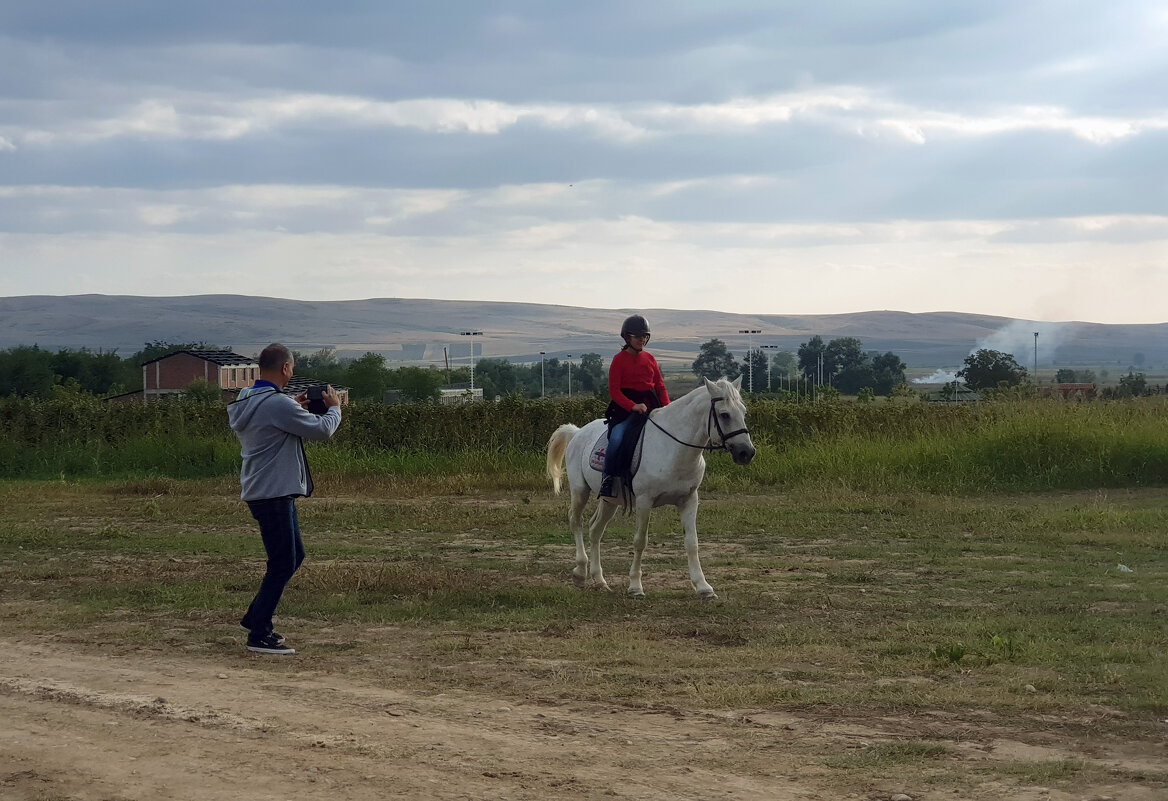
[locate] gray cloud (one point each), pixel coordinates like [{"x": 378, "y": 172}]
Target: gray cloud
[{"x": 873, "y": 142}]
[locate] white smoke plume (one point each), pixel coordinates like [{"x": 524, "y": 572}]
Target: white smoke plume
[
  {"x": 940, "y": 376},
  {"x": 1016, "y": 339}
]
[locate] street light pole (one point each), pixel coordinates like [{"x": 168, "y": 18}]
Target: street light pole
[
  {"x": 750, "y": 332},
  {"x": 541, "y": 384},
  {"x": 471, "y": 334},
  {"x": 569, "y": 358},
  {"x": 768, "y": 347},
  {"x": 1035, "y": 358}
]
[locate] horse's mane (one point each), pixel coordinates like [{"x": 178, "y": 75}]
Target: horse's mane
[
  {"x": 731, "y": 390},
  {"x": 725, "y": 386}
]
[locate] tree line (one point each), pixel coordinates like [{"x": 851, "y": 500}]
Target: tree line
[
  {"x": 31, "y": 371},
  {"x": 995, "y": 371},
  {"x": 841, "y": 364},
  {"x": 370, "y": 377},
  {"x": 838, "y": 366}
]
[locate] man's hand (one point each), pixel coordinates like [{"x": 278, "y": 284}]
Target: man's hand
[
  {"x": 302, "y": 399},
  {"x": 640, "y": 408},
  {"x": 331, "y": 397}
]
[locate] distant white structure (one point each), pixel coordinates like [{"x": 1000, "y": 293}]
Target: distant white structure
[{"x": 448, "y": 397}]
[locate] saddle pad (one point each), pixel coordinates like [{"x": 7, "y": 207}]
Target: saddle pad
[{"x": 596, "y": 453}]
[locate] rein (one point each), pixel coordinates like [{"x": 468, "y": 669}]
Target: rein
[{"x": 713, "y": 419}]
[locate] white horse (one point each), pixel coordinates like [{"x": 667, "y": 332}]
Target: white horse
[{"x": 711, "y": 417}]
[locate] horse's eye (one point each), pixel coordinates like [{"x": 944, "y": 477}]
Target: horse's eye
[{"x": 725, "y": 415}]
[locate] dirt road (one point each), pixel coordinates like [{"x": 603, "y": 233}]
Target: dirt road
[{"x": 84, "y": 725}]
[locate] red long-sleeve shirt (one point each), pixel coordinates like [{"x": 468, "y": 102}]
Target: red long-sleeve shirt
[{"x": 635, "y": 370}]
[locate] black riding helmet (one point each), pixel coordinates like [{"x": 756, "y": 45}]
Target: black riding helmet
[{"x": 635, "y": 326}]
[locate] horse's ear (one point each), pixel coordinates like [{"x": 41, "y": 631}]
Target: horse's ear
[
  {"x": 711, "y": 387},
  {"x": 737, "y": 383}
]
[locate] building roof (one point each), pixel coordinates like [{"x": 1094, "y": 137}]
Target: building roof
[
  {"x": 300, "y": 383},
  {"x": 223, "y": 358}
]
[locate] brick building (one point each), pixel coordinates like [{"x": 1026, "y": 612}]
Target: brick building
[
  {"x": 171, "y": 374},
  {"x": 231, "y": 372}
]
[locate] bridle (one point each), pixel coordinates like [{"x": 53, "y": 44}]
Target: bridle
[{"x": 711, "y": 424}]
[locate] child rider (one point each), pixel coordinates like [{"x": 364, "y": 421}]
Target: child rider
[{"x": 636, "y": 387}]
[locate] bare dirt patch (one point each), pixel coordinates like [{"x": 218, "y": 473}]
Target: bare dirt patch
[{"x": 85, "y": 724}]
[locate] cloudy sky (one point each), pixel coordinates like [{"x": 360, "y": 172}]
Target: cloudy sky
[{"x": 1001, "y": 156}]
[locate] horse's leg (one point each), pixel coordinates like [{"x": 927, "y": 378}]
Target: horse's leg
[
  {"x": 689, "y": 522},
  {"x": 600, "y": 518},
  {"x": 576, "y": 524},
  {"x": 639, "y": 540}
]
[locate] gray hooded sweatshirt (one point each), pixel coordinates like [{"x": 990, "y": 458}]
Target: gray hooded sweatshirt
[{"x": 271, "y": 428}]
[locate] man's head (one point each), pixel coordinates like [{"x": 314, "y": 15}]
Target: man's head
[{"x": 276, "y": 364}]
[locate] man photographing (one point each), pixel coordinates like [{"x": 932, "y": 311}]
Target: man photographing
[{"x": 271, "y": 428}]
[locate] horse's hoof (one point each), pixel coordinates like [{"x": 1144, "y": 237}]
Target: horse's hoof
[
  {"x": 579, "y": 582},
  {"x": 636, "y": 593},
  {"x": 709, "y": 596}
]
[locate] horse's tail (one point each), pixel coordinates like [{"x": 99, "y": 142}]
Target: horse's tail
[{"x": 557, "y": 447}]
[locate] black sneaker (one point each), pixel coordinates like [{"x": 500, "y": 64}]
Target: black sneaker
[
  {"x": 278, "y": 636},
  {"x": 272, "y": 644},
  {"x": 606, "y": 487}
]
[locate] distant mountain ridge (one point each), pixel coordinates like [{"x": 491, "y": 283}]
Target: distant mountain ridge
[{"x": 427, "y": 331}]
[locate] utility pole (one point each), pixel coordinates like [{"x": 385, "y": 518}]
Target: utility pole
[
  {"x": 768, "y": 347},
  {"x": 750, "y": 332},
  {"x": 471, "y": 334},
  {"x": 1035, "y": 358}
]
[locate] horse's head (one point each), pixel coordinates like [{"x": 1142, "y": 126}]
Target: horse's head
[{"x": 728, "y": 413}]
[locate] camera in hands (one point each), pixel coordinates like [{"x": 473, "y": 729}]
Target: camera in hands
[{"x": 316, "y": 403}]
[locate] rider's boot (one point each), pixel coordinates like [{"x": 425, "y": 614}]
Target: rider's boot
[{"x": 606, "y": 486}]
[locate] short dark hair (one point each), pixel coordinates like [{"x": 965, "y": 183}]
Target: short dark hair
[{"x": 274, "y": 356}]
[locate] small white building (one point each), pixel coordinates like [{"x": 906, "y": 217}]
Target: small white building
[{"x": 448, "y": 397}]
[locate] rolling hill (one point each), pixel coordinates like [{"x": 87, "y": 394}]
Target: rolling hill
[{"x": 425, "y": 331}]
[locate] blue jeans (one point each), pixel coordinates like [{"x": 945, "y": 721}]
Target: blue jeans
[
  {"x": 615, "y": 460},
  {"x": 280, "y": 530}
]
